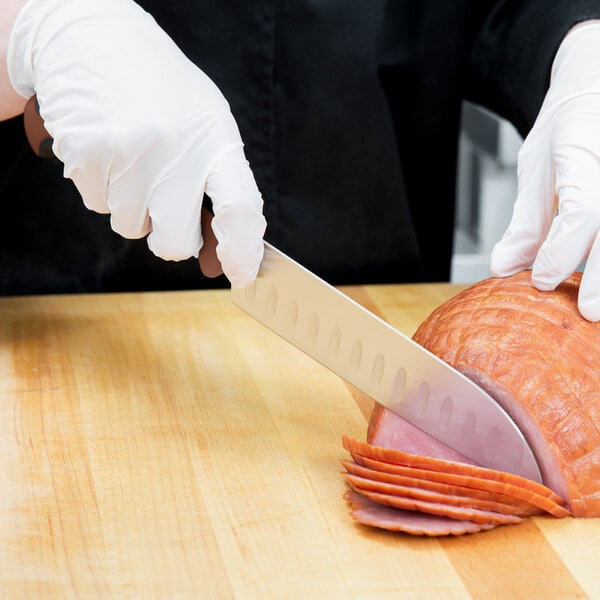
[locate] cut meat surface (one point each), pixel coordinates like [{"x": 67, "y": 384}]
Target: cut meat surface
[{"x": 388, "y": 430}]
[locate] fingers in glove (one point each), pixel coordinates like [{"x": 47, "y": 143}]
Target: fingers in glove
[
  {"x": 532, "y": 214},
  {"x": 174, "y": 210},
  {"x": 238, "y": 221},
  {"x": 577, "y": 163}
]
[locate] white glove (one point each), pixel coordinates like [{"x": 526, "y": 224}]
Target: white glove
[
  {"x": 556, "y": 221},
  {"x": 142, "y": 132}
]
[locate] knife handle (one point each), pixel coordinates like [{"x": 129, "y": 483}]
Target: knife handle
[{"x": 41, "y": 142}]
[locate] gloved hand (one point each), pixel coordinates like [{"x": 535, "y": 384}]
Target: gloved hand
[
  {"x": 556, "y": 220},
  {"x": 142, "y": 132}
]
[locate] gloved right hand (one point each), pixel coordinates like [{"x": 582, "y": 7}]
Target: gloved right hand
[{"x": 142, "y": 132}]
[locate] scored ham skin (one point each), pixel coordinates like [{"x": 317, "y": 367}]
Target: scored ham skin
[{"x": 534, "y": 353}]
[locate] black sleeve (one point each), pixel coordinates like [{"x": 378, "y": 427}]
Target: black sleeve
[{"x": 511, "y": 59}]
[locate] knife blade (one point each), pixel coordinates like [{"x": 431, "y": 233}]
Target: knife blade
[{"x": 384, "y": 363}]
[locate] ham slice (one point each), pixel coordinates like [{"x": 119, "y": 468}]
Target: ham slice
[
  {"x": 441, "y": 509},
  {"x": 535, "y": 354},
  {"x": 371, "y": 513}
]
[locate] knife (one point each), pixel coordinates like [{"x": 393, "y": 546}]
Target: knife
[{"x": 384, "y": 363}]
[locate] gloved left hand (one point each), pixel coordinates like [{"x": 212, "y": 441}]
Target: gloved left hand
[
  {"x": 556, "y": 220},
  {"x": 142, "y": 131}
]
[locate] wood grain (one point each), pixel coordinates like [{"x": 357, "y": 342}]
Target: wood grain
[{"x": 165, "y": 445}]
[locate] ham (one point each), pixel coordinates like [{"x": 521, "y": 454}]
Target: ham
[
  {"x": 535, "y": 354},
  {"x": 371, "y": 513}
]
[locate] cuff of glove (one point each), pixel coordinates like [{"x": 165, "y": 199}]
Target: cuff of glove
[
  {"x": 20, "y": 43},
  {"x": 38, "y": 24},
  {"x": 575, "y": 59}
]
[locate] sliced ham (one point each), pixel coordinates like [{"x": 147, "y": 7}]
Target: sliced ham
[
  {"x": 535, "y": 354},
  {"x": 471, "y": 473},
  {"x": 407, "y": 492},
  {"x": 371, "y": 513},
  {"x": 509, "y": 503},
  {"x": 517, "y": 494}
]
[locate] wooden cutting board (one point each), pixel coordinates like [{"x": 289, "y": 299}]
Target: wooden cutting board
[{"x": 166, "y": 445}]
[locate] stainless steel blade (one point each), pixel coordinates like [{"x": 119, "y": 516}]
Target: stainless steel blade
[{"x": 384, "y": 363}]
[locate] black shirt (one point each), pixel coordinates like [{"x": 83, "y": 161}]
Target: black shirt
[{"x": 350, "y": 114}]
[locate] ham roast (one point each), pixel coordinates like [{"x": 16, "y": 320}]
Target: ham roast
[{"x": 535, "y": 354}]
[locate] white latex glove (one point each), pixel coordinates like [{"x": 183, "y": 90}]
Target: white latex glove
[
  {"x": 142, "y": 132},
  {"x": 556, "y": 220}
]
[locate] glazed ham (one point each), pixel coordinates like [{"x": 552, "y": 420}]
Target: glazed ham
[{"x": 539, "y": 359}]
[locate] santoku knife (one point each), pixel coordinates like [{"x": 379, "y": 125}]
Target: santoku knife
[{"x": 384, "y": 363}]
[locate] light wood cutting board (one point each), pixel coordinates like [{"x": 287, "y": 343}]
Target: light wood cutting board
[{"x": 166, "y": 445}]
